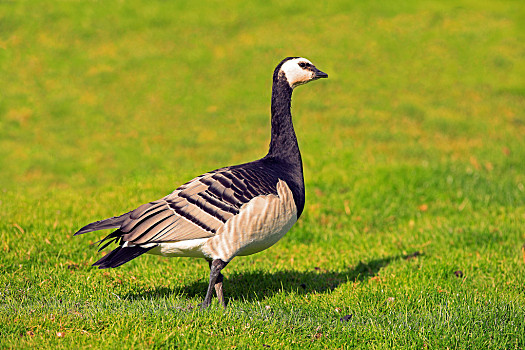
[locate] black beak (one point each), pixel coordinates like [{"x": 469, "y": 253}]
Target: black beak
[{"x": 318, "y": 74}]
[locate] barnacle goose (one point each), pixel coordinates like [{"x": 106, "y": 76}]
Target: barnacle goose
[{"x": 237, "y": 210}]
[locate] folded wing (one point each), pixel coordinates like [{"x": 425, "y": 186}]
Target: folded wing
[{"x": 197, "y": 209}]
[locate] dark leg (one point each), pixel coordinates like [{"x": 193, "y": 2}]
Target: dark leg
[
  {"x": 218, "y": 288},
  {"x": 215, "y": 283}
]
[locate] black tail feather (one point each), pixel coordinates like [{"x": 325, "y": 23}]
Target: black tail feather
[
  {"x": 107, "y": 258},
  {"x": 114, "y": 222},
  {"x": 120, "y": 256},
  {"x": 113, "y": 237},
  {"x": 103, "y": 244}
]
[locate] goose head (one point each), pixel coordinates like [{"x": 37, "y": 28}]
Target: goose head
[{"x": 298, "y": 71}]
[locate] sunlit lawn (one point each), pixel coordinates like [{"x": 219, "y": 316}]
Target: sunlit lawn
[{"x": 414, "y": 156}]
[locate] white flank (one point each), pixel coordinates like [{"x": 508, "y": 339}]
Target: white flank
[
  {"x": 189, "y": 248},
  {"x": 296, "y": 75},
  {"x": 130, "y": 245}
]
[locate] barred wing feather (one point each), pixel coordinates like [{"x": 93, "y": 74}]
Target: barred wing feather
[{"x": 197, "y": 209}]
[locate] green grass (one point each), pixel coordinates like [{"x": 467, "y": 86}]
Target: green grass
[{"x": 415, "y": 144}]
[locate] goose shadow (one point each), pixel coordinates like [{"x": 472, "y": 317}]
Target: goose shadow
[{"x": 256, "y": 285}]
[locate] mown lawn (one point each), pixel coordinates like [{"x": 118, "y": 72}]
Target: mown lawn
[{"x": 414, "y": 156}]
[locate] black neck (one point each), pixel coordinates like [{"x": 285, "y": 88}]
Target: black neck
[
  {"x": 284, "y": 150},
  {"x": 283, "y": 144}
]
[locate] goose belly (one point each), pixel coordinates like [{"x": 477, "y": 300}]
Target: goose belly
[
  {"x": 260, "y": 224},
  {"x": 187, "y": 248}
]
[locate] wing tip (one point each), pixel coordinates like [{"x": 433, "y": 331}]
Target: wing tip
[
  {"x": 79, "y": 232},
  {"x": 114, "y": 222}
]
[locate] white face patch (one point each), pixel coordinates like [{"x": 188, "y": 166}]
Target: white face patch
[{"x": 295, "y": 75}]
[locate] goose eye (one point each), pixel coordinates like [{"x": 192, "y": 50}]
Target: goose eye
[{"x": 302, "y": 64}]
